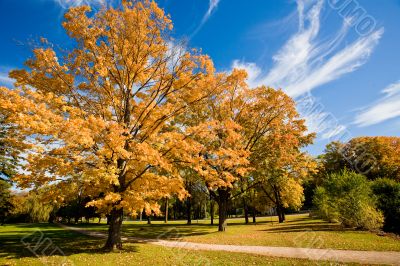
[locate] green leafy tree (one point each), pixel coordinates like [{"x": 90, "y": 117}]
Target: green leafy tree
[
  {"x": 32, "y": 207},
  {"x": 8, "y": 154},
  {"x": 388, "y": 193},
  {"x": 347, "y": 197},
  {"x": 5, "y": 200}
]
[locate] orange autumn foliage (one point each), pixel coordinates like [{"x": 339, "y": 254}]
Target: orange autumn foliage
[
  {"x": 120, "y": 115},
  {"x": 98, "y": 117}
]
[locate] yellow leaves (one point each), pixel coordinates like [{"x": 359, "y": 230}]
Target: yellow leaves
[
  {"x": 106, "y": 204},
  {"x": 101, "y": 70},
  {"x": 207, "y": 64},
  {"x": 119, "y": 116},
  {"x": 112, "y": 197},
  {"x": 242, "y": 171},
  {"x": 45, "y": 59},
  {"x": 291, "y": 193}
]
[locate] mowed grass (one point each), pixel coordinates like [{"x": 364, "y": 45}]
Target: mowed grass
[
  {"x": 44, "y": 244},
  {"x": 298, "y": 231}
]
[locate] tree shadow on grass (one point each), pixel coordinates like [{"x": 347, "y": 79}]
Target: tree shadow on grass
[
  {"x": 37, "y": 240},
  {"x": 305, "y": 227},
  {"x": 171, "y": 231},
  {"x": 177, "y": 231},
  {"x": 167, "y": 231}
]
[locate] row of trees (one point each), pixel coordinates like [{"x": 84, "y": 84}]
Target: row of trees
[
  {"x": 128, "y": 118},
  {"x": 339, "y": 194}
]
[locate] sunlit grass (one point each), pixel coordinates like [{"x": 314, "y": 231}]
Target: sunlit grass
[
  {"x": 297, "y": 231},
  {"x": 77, "y": 249}
]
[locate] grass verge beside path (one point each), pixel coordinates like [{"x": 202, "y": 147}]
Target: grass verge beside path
[
  {"x": 19, "y": 246},
  {"x": 297, "y": 231}
]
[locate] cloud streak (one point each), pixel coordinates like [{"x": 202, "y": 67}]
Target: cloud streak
[
  {"x": 212, "y": 6},
  {"x": 253, "y": 71},
  {"x": 318, "y": 120},
  {"x": 307, "y": 61},
  {"x": 384, "y": 109},
  {"x": 4, "y": 79},
  {"x": 71, "y": 3}
]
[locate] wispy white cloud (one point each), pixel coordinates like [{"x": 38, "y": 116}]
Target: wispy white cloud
[
  {"x": 253, "y": 71},
  {"x": 70, "y": 3},
  {"x": 212, "y": 6},
  {"x": 386, "y": 108},
  {"x": 319, "y": 120},
  {"x": 4, "y": 79},
  {"x": 305, "y": 62}
]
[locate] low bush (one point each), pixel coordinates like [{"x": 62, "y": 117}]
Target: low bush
[{"x": 347, "y": 197}]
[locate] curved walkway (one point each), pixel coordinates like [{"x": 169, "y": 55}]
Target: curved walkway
[{"x": 363, "y": 257}]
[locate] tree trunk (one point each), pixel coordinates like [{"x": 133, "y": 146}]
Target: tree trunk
[
  {"x": 148, "y": 219},
  {"x": 223, "y": 196},
  {"x": 280, "y": 210},
  {"x": 281, "y": 214},
  {"x": 114, "y": 230},
  {"x": 189, "y": 210},
  {"x": 212, "y": 211},
  {"x": 166, "y": 210},
  {"x": 246, "y": 211},
  {"x": 254, "y": 214},
  {"x": 279, "y": 207}
]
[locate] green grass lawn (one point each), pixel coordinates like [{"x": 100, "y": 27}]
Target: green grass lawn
[
  {"x": 297, "y": 231},
  {"x": 20, "y": 244}
]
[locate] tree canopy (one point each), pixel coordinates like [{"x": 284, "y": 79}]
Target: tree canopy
[
  {"x": 117, "y": 119},
  {"x": 375, "y": 157}
]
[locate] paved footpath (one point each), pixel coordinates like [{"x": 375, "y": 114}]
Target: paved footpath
[{"x": 363, "y": 257}]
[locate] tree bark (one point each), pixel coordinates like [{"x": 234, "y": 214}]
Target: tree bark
[
  {"x": 189, "y": 210},
  {"x": 212, "y": 211},
  {"x": 223, "y": 197},
  {"x": 281, "y": 214},
  {"x": 246, "y": 211},
  {"x": 279, "y": 207},
  {"x": 114, "y": 230},
  {"x": 254, "y": 212},
  {"x": 166, "y": 210}
]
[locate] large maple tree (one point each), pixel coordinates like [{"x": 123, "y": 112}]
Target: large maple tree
[{"x": 100, "y": 117}]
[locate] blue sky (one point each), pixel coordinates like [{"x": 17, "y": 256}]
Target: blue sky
[{"x": 338, "y": 58}]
